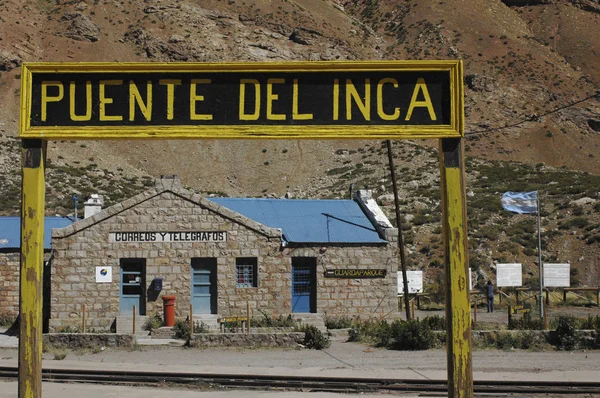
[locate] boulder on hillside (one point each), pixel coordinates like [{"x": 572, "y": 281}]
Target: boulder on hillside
[
  {"x": 522, "y": 3},
  {"x": 477, "y": 82},
  {"x": 80, "y": 27},
  {"x": 385, "y": 200},
  {"x": 9, "y": 61}
]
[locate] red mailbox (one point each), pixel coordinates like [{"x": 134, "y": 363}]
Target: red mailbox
[{"x": 169, "y": 308}]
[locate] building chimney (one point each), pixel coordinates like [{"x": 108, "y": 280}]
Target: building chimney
[
  {"x": 92, "y": 205},
  {"x": 167, "y": 182}
]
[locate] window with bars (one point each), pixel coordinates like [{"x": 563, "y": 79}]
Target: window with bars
[{"x": 246, "y": 272}]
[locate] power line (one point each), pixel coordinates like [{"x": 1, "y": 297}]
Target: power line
[{"x": 534, "y": 117}]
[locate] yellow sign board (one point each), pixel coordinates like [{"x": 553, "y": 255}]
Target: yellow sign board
[
  {"x": 358, "y": 100},
  {"x": 232, "y": 319}
]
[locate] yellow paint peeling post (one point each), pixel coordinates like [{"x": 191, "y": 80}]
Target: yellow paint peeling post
[
  {"x": 32, "y": 266},
  {"x": 458, "y": 308}
]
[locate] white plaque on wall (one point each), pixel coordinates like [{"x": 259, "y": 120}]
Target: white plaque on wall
[
  {"x": 557, "y": 275},
  {"x": 415, "y": 282},
  {"x": 509, "y": 275},
  {"x": 103, "y": 274}
]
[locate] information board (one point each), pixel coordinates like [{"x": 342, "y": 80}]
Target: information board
[
  {"x": 557, "y": 275},
  {"x": 415, "y": 282},
  {"x": 508, "y": 275}
]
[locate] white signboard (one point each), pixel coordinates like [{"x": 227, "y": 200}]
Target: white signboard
[
  {"x": 509, "y": 275},
  {"x": 103, "y": 274},
  {"x": 415, "y": 282},
  {"x": 178, "y": 236},
  {"x": 470, "y": 279},
  {"x": 557, "y": 275}
]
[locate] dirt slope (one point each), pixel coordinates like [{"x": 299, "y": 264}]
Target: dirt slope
[{"x": 523, "y": 59}]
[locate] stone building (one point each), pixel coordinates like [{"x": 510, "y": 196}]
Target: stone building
[
  {"x": 10, "y": 257},
  {"x": 217, "y": 256}
]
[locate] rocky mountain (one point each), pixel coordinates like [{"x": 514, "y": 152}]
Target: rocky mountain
[{"x": 532, "y": 111}]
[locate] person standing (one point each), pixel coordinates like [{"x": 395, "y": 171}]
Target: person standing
[{"x": 489, "y": 290}]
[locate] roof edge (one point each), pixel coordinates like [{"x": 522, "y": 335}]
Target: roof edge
[{"x": 154, "y": 192}]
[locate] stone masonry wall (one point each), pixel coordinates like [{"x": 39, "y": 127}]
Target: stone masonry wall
[
  {"x": 9, "y": 284},
  {"x": 10, "y": 264},
  {"x": 77, "y": 256},
  {"x": 362, "y": 298}
]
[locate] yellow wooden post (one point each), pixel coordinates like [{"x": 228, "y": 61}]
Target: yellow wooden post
[
  {"x": 458, "y": 309},
  {"x": 32, "y": 268},
  {"x": 475, "y": 314}
]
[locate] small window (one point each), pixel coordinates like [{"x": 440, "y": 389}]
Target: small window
[{"x": 246, "y": 272}]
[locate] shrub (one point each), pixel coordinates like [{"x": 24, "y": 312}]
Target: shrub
[
  {"x": 315, "y": 339},
  {"x": 565, "y": 332},
  {"x": 181, "y": 330},
  {"x": 592, "y": 322},
  {"x": 411, "y": 335},
  {"x": 435, "y": 322},
  {"x": 377, "y": 333},
  {"x": 526, "y": 322},
  {"x": 503, "y": 340},
  {"x": 267, "y": 321},
  {"x": 153, "y": 322},
  {"x": 342, "y": 322},
  {"x": 508, "y": 340},
  {"x": 6, "y": 320},
  {"x": 69, "y": 329},
  {"x": 575, "y": 222}
]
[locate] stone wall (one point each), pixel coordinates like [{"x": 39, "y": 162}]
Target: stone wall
[
  {"x": 9, "y": 283},
  {"x": 10, "y": 264},
  {"x": 76, "y": 341},
  {"x": 360, "y": 298},
  {"x": 252, "y": 340}
]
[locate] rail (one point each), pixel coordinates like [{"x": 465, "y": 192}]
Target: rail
[{"x": 201, "y": 380}]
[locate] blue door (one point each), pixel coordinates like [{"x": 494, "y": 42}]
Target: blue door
[
  {"x": 303, "y": 284},
  {"x": 132, "y": 289},
  {"x": 204, "y": 297}
]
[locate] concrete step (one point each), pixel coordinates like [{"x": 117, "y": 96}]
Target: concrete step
[
  {"x": 125, "y": 325},
  {"x": 315, "y": 320},
  {"x": 210, "y": 320}
]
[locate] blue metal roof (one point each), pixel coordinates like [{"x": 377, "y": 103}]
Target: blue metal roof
[
  {"x": 308, "y": 221},
  {"x": 10, "y": 230}
]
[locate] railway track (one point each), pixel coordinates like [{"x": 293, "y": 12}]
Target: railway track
[{"x": 341, "y": 384}]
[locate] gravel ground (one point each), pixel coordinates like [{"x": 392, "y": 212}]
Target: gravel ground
[
  {"x": 341, "y": 355},
  {"x": 344, "y": 355}
]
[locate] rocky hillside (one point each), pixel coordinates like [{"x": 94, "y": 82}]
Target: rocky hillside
[{"x": 532, "y": 122}]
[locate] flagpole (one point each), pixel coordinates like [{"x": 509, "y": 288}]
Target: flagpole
[{"x": 537, "y": 195}]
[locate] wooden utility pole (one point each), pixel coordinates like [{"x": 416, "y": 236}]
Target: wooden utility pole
[{"x": 399, "y": 226}]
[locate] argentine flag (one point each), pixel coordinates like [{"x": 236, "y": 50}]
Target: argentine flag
[{"x": 520, "y": 202}]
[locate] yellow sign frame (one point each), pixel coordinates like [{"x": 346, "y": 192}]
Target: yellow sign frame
[{"x": 347, "y": 131}]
